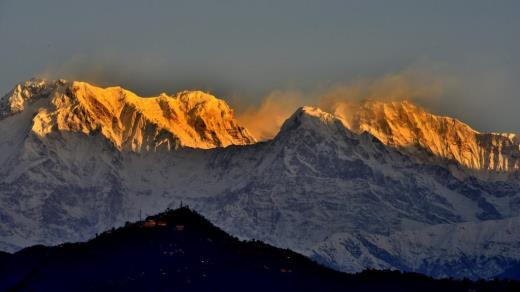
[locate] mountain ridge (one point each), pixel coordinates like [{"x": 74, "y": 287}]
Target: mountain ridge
[
  {"x": 199, "y": 120},
  {"x": 188, "y": 119},
  {"x": 405, "y": 126}
]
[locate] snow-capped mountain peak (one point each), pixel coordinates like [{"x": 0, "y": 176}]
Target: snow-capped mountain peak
[
  {"x": 406, "y": 126},
  {"x": 25, "y": 92},
  {"x": 188, "y": 119},
  {"x": 311, "y": 118}
]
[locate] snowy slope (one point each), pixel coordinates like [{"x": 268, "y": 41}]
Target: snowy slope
[
  {"x": 470, "y": 249},
  {"x": 315, "y": 184}
]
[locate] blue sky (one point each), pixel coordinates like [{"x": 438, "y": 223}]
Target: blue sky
[{"x": 244, "y": 50}]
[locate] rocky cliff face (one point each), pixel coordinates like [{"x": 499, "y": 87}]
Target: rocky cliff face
[
  {"x": 189, "y": 119},
  {"x": 408, "y": 127}
]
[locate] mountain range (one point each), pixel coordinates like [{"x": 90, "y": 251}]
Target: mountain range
[{"x": 381, "y": 185}]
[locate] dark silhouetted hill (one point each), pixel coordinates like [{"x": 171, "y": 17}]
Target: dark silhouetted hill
[{"x": 181, "y": 251}]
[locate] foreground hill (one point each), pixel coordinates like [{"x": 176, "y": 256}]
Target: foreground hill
[
  {"x": 179, "y": 250},
  {"x": 343, "y": 198}
]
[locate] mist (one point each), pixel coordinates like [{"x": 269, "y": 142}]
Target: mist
[{"x": 434, "y": 86}]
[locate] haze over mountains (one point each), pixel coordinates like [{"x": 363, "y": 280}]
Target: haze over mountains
[{"x": 378, "y": 185}]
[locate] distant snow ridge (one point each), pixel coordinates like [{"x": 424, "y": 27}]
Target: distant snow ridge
[
  {"x": 349, "y": 199},
  {"x": 189, "y": 119}
]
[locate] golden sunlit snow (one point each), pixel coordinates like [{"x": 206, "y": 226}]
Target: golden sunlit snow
[
  {"x": 406, "y": 126},
  {"x": 190, "y": 118}
]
